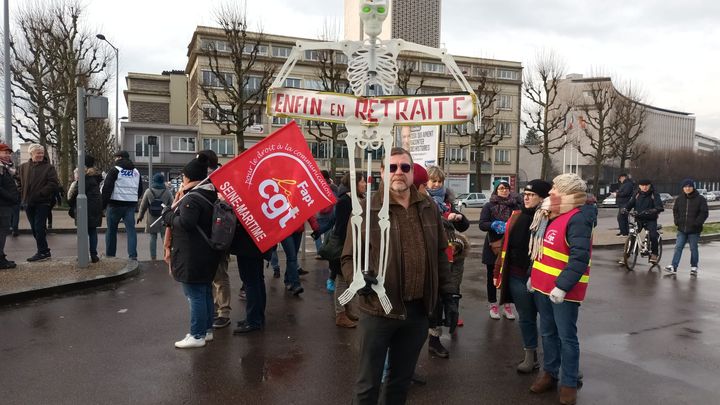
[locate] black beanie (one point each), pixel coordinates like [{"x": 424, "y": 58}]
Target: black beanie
[
  {"x": 89, "y": 161},
  {"x": 539, "y": 187},
  {"x": 196, "y": 169}
]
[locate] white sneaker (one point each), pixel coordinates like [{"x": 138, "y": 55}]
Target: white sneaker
[
  {"x": 508, "y": 312},
  {"x": 670, "y": 269},
  {"x": 190, "y": 342},
  {"x": 209, "y": 336},
  {"x": 494, "y": 312},
  {"x": 693, "y": 271}
]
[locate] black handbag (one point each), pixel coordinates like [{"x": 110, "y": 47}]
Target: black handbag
[{"x": 332, "y": 247}]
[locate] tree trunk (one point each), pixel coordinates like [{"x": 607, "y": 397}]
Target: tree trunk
[{"x": 478, "y": 172}]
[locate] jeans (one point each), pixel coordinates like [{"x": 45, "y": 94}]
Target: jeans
[
  {"x": 201, "y": 307},
  {"x": 251, "y": 274},
  {"x": 527, "y": 312},
  {"x": 558, "y": 326},
  {"x": 622, "y": 220},
  {"x": 153, "y": 243},
  {"x": 291, "y": 245},
  {"x": 682, "y": 238},
  {"x": 401, "y": 341},
  {"x": 114, "y": 214},
  {"x": 275, "y": 261},
  {"x": 93, "y": 239},
  {"x": 37, "y": 216}
]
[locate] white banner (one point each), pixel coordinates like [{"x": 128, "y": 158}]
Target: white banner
[{"x": 313, "y": 105}]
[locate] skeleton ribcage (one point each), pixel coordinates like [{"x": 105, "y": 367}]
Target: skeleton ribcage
[{"x": 359, "y": 70}]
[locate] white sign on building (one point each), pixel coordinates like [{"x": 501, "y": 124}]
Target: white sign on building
[{"x": 422, "y": 143}]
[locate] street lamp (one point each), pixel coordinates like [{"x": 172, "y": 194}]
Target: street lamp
[{"x": 117, "y": 81}]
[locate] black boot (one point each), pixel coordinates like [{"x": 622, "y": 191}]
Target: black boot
[{"x": 436, "y": 348}]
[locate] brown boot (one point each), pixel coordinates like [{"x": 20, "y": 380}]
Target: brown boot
[
  {"x": 568, "y": 395},
  {"x": 544, "y": 383},
  {"x": 343, "y": 321}
]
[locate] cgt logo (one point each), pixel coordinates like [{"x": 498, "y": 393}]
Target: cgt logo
[
  {"x": 550, "y": 236},
  {"x": 277, "y": 199}
]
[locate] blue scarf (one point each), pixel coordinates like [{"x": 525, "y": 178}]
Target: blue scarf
[{"x": 439, "y": 197}]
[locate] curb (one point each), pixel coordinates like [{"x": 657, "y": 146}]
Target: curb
[{"x": 130, "y": 269}]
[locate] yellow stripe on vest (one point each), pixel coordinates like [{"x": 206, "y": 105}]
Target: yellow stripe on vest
[
  {"x": 556, "y": 272},
  {"x": 559, "y": 256}
]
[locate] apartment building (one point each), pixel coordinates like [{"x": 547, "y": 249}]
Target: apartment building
[
  {"x": 429, "y": 76},
  {"x": 157, "y": 107}
]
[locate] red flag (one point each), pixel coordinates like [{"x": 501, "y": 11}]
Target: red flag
[{"x": 274, "y": 186}]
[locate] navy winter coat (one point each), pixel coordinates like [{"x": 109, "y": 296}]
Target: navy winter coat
[
  {"x": 690, "y": 212},
  {"x": 579, "y": 237}
]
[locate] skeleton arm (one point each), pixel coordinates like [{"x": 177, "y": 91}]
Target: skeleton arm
[{"x": 346, "y": 47}]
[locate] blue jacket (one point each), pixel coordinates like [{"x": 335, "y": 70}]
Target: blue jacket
[
  {"x": 622, "y": 196},
  {"x": 647, "y": 205},
  {"x": 579, "y": 237}
]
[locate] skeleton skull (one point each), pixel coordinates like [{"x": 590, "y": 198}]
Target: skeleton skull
[{"x": 372, "y": 15}]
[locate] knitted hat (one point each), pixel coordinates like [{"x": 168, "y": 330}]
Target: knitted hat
[
  {"x": 211, "y": 157},
  {"x": 539, "y": 187},
  {"x": 644, "y": 182},
  {"x": 498, "y": 183},
  {"x": 35, "y": 146},
  {"x": 4, "y": 148},
  {"x": 196, "y": 169},
  {"x": 688, "y": 182},
  {"x": 420, "y": 175},
  {"x": 569, "y": 183},
  {"x": 158, "y": 178},
  {"x": 89, "y": 161}
]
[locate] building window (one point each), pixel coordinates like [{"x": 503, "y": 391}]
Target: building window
[
  {"x": 142, "y": 149},
  {"x": 281, "y": 51},
  {"x": 261, "y": 49},
  {"x": 507, "y": 74},
  {"x": 504, "y": 102},
  {"x": 433, "y": 67},
  {"x": 314, "y": 84},
  {"x": 502, "y": 156},
  {"x": 281, "y": 120},
  {"x": 211, "y": 113},
  {"x": 252, "y": 85},
  {"x": 474, "y": 155},
  {"x": 221, "y": 146},
  {"x": 320, "y": 150},
  {"x": 457, "y": 154},
  {"x": 292, "y": 83},
  {"x": 210, "y": 78},
  {"x": 481, "y": 72},
  {"x": 504, "y": 129},
  {"x": 182, "y": 144},
  {"x": 213, "y": 45},
  {"x": 312, "y": 55},
  {"x": 341, "y": 58}
]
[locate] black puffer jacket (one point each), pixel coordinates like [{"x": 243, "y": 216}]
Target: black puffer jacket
[
  {"x": 690, "y": 212},
  {"x": 94, "y": 199},
  {"x": 9, "y": 194},
  {"x": 648, "y": 205},
  {"x": 622, "y": 196},
  {"x": 192, "y": 258}
]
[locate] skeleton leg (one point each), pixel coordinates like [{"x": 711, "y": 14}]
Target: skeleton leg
[
  {"x": 385, "y": 132},
  {"x": 355, "y": 130}
]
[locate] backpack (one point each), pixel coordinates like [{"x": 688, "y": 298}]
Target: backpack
[
  {"x": 224, "y": 221},
  {"x": 156, "y": 205}
]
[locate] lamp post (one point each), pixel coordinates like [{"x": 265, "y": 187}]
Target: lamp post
[
  {"x": 6, "y": 66},
  {"x": 117, "y": 84}
]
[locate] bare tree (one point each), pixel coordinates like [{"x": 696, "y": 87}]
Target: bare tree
[
  {"x": 487, "y": 134},
  {"x": 54, "y": 56},
  {"x": 545, "y": 112},
  {"x": 629, "y": 125},
  {"x": 599, "y": 125},
  {"x": 236, "y": 92},
  {"x": 332, "y": 74},
  {"x": 99, "y": 143},
  {"x": 406, "y": 69}
]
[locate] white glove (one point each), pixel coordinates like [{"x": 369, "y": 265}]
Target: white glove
[
  {"x": 529, "y": 285},
  {"x": 557, "y": 296}
]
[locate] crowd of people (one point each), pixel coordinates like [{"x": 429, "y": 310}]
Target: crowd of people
[{"x": 536, "y": 253}]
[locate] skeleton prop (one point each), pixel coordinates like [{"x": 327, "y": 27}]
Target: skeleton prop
[{"x": 372, "y": 65}]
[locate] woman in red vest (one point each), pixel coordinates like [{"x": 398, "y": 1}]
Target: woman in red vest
[
  {"x": 560, "y": 245},
  {"x": 512, "y": 270}
]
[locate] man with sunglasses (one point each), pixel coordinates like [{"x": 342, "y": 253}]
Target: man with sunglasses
[{"x": 417, "y": 275}]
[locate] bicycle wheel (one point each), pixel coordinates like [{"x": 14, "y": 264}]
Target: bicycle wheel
[
  {"x": 630, "y": 253},
  {"x": 659, "y": 248}
]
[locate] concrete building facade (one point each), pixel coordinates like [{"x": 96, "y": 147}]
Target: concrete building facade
[
  {"x": 429, "y": 76},
  {"x": 705, "y": 143}
]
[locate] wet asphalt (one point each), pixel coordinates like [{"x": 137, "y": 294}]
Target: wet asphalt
[{"x": 645, "y": 338}]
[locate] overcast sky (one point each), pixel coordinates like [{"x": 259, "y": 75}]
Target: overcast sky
[{"x": 671, "y": 49}]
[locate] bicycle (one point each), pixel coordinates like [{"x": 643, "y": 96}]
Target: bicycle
[{"x": 636, "y": 246}]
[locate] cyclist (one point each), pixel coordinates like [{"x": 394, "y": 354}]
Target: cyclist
[{"x": 648, "y": 206}]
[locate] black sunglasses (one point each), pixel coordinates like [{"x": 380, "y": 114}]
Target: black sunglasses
[{"x": 405, "y": 167}]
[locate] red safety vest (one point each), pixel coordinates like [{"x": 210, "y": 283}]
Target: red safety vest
[{"x": 555, "y": 255}]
